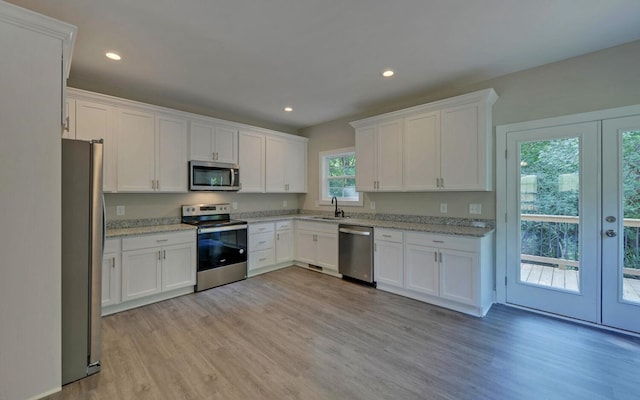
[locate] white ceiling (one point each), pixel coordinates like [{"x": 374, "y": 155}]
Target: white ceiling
[{"x": 324, "y": 57}]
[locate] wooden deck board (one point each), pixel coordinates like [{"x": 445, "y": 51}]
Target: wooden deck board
[{"x": 569, "y": 280}]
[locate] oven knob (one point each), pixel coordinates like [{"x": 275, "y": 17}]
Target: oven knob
[{"x": 241, "y": 251}]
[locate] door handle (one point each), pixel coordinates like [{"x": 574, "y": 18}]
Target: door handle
[{"x": 611, "y": 233}]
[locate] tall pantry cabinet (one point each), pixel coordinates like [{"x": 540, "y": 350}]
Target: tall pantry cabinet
[{"x": 32, "y": 78}]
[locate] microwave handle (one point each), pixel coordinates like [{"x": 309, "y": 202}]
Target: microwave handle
[{"x": 233, "y": 177}]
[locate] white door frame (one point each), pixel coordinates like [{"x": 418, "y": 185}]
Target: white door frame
[{"x": 501, "y": 176}]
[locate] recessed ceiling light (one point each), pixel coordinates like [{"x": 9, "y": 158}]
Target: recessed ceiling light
[
  {"x": 388, "y": 73},
  {"x": 113, "y": 56},
  {"x": 288, "y": 109}
]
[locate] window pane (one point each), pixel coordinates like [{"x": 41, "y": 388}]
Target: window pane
[{"x": 339, "y": 176}]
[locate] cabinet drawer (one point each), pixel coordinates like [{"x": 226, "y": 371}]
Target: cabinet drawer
[
  {"x": 261, "y": 228},
  {"x": 260, "y": 241},
  {"x": 261, "y": 258},
  {"x": 162, "y": 239},
  {"x": 284, "y": 225},
  {"x": 111, "y": 246},
  {"x": 443, "y": 241},
  {"x": 388, "y": 235}
]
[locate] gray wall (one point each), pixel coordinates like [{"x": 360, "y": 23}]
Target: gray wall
[{"x": 605, "y": 79}]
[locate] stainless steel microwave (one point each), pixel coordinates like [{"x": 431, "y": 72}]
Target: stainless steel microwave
[{"x": 213, "y": 176}]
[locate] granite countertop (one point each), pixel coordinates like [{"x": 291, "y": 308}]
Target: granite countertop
[
  {"x": 377, "y": 223},
  {"x": 143, "y": 230},
  {"x": 430, "y": 225}
]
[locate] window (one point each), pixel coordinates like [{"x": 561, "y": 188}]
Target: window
[{"x": 338, "y": 177}]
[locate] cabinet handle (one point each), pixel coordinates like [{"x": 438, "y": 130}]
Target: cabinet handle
[
  {"x": 66, "y": 124},
  {"x": 263, "y": 259},
  {"x": 159, "y": 255},
  {"x": 438, "y": 241},
  {"x": 435, "y": 258},
  {"x": 162, "y": 240},
  {"x": 262, "y": 242},
  {"x": 440, "y": 257},
  {"x": 277, "y": 236},
  {"x": 164, "y": 254},
  {"x": 157, "y": 185},
  {"x": 153, "y": 184},
  {"x": 113, "y": 262},
  {"x": 386, "y": 236},
  {"x": 375, "y": 247}
]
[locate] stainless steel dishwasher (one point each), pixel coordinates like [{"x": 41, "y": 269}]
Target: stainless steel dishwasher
[{"x": 355, "y": 249}]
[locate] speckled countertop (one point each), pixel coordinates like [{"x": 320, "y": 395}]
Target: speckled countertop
[
  {"x": 460, "y": 227},
  {"x": 144, "y": 230}
]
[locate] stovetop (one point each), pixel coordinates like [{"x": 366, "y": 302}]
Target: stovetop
[{"x": 208, "y": 215}]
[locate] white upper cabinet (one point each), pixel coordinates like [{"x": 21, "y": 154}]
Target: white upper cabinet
[
  {"x": 286, "y": 165},
  {"x": 445, "y": 145},
  {"x": 152, "y": 152},
  {"x": 422, "y": 151},
  {"x": 95, "y": 121},
  {"x": 379, "y": 156},
  {"x": 251, "y": 159},
  {"x": 209, "y": 142}
]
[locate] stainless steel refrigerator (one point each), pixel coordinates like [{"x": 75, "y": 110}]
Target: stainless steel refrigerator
[{"x": 82, "y": 247}]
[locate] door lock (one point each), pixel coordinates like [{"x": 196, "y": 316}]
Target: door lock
[
  {"x": 610, "y": 233},
  {"x": 610, "y": 218}
]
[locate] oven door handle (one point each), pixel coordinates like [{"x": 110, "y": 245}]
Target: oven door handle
[{"x": 222, "y": 229}]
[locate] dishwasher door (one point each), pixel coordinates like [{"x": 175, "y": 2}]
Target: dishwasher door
[{"x": 355, "y": 249}]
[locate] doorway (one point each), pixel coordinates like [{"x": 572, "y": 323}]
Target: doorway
[{"x": 572, "y": 221}]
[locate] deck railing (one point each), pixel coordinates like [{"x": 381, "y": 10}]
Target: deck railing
[{"x": 631, "y": 227}]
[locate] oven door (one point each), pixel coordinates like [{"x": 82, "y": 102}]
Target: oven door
[{"x": 221, "y": 246}]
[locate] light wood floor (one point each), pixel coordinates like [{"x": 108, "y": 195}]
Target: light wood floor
[{"x": 298, "y": 334}]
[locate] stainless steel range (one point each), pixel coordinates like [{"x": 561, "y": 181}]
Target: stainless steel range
[{"x": 222, "y": 244}]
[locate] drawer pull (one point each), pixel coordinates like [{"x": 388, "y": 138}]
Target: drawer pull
[
  {"x": 438, "y": 241},
  {"x": 262, "y": 242},
  {"x": 263, "y": 259},
  {"x": 387, "y": 236},
  {"x": 162, "y": 240}
]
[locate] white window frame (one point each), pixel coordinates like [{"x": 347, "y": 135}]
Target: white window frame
[{"x": 323, "y": 156}]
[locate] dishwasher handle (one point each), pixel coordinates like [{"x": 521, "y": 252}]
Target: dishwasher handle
[{"x": 354, "y": 232}]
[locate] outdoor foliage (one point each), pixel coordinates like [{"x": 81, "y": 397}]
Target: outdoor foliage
[
  {"x": 341, "y": 178},
  {"x": 550, "y": 186}
]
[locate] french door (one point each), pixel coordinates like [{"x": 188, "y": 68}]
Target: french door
[
  {"x": 621, "y": 223},
  {"x": 573, "y": 232},
  {"x": 552, "y": 256}
]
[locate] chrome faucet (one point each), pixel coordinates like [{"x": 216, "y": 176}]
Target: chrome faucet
[{"x": 337, "y": 211}]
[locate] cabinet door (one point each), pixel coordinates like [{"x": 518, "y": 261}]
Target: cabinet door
[
  {"x": 462, "y": 148},
  {"x": 458, "y": 276},
  {"x": 276, "y": 160},
  {"x": 110, "y": 279},
  {"x": 284, "y": 246},
  {"x": 365, "y": 156},
  {"x": 136, "y": 151},
  {"x": 178, "y": 266},
  {"x": 306, "y": 247},
  {"x": 141, "y": 273},
  {"x": 225, "y": 145},
  {"x": 327, "y": 250},
  {"x": 422, "y": 152},
  {"x": 171, "y": 163},
  {"x": 96, "y": 121},
  {"x": 69, "y": 131},
  {"x": 251, "y": 152},
  {"x": 388, "y": 263},
  {"x": 296, "y": 167},
  {"x": 421, "y": 269},
  {"x": 201, "y": 138},
  {"x": 389, "y": 152}
]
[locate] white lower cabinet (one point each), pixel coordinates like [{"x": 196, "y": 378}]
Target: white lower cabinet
[
  {"x": 450, "y": 271},
  {"x": 157, "y": 263},
  {"x": 111, "y": 269},
  {"x": 388, "y": 257},
  {"x": 317, "y": 244},
  {"x": 262, "y": 252},
  {"x": 284, "y": 241}
]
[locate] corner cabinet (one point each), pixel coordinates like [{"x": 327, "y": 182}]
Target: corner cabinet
[
  {"x": 444, "y": 145},
  {"x": 286, "y": 165}
]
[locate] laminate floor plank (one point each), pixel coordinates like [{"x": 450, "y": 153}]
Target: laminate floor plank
[{"x": 297, "y": 334}]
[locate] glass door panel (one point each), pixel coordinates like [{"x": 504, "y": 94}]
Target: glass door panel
[
  {"x": 552, "y": 249},
  {"x": 621, "y": 225}
]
